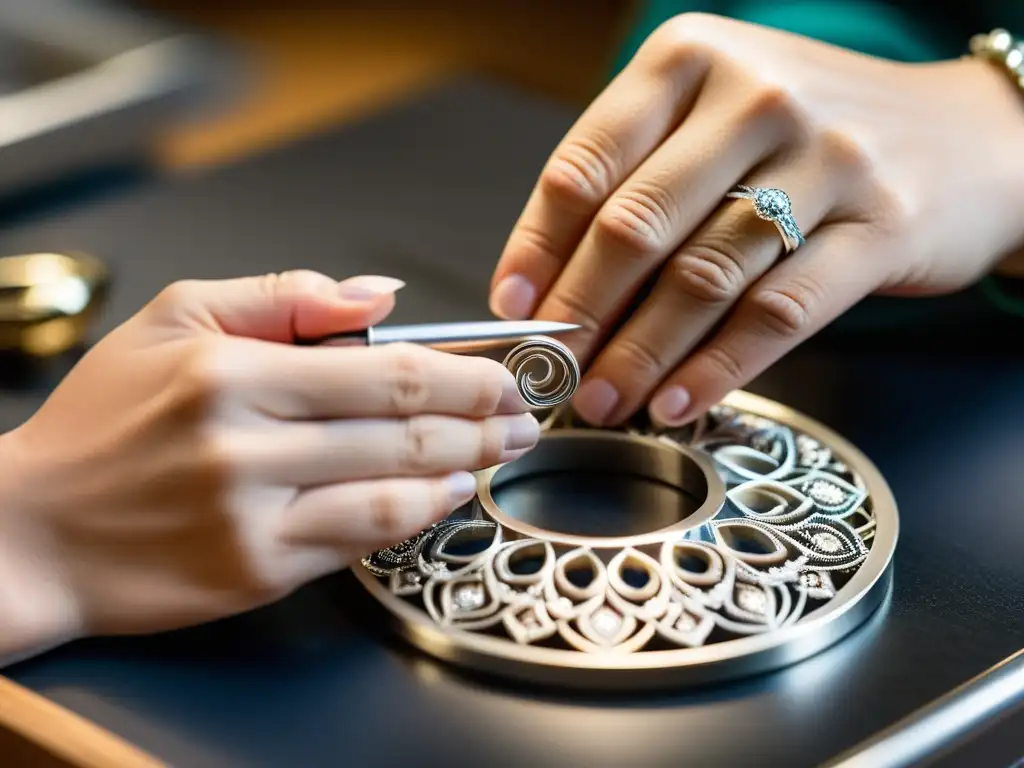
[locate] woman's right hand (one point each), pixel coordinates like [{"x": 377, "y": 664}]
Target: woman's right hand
[{"x": 196, "y": 463}]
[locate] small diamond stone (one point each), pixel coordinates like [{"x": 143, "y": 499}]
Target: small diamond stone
[
  {"x": 528, "y": 619},
  {"x": 1014, "y": 59},
  {"x": 771, "y": 203},
  {"x": 469, "y": 597},
  {"x": 810, "y": 580},
  {"x": 410, "y": 578},
  {"x": 686, "y": 622},
  {"x": 826, "y": 493},
  {"x": 751, "y": 599},
  {"x": 606, "y": 622},
  {"x": 828, "y": 543}
]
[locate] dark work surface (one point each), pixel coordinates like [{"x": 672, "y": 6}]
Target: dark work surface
[{"x": 428, "y": 193}]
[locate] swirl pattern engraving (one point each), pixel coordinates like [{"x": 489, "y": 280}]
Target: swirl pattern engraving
[
  {"x": 797, "y": 524},
  {"x": 547, "y": 373}
]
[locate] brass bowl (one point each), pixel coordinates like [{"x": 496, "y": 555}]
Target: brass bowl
[{"x": 48, "y": 300}]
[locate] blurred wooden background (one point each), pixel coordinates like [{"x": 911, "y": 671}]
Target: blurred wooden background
[{"x": 319, "y": 62}]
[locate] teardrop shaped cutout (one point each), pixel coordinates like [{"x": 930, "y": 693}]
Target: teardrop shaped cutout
[
  {"x": 579, "y": 574},
  {"x": 636, "y": 578},
  {"x": 746, "y": 461},
  {"x": 750, "y": 543},
  {"x": 769, "y": 501},
  {"x": 695, "y": 563},
  {"x": 526, "y": 565},
  {"x": 464, "y": 541},
  {"x": 524, "y": 562},
  {"x": 634, "y": 575},
  {"x": 691, "y": 562}
]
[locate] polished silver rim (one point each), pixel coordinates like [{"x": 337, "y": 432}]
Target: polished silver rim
[{"x": 790, "y": 550}]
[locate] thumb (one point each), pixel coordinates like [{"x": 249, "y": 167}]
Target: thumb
[{"x": 285, "y": 307}]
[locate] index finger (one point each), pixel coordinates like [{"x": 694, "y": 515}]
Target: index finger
[
  {"x": 395, "y": 380},
  {"x": 614, "y": 135}
]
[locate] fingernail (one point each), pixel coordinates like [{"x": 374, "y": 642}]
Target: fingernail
[
  {"x": 513, "y": 298},
  {"x": 669, "y": 406},
  {"x": 365, "y": 287},
  {"x": 523, "y": 432},
  {"x": 595, "y": 401},
  {"x": 461, "y": 488}
]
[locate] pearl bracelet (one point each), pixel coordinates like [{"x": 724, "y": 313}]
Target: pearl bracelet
[{"x": 1004, "y": 49}]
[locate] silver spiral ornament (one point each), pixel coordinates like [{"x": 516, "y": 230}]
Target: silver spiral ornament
[{"x": 547, "y": 373}]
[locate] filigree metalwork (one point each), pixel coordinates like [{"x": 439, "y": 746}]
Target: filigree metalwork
[
  {"x": 547, "y": 373},
  {"x": 796, "y": 525}
]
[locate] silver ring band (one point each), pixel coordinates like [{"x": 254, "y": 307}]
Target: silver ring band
[{"x": 773, "y": 205}]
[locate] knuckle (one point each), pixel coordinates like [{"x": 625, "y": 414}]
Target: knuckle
[
  {"x": 709, "y": 273},
  {"x": 200, "y": 403},
  {"x": 206, "y": 370},
  {"x": 176, "y": 295},
  {"x": 491, "y": 446},
  {"x": 408, "y": 382},
  {"x": 529, "y": 242},
  {"x": 846, "y": 156},
  {"x": 770, "y": 106},
  {"x": 202, "y": 396},
  {"x": 724, "y": 363},
  {"x": 639, "y": 220},
  {"x": 295, "y": 281},
  {"x": 570, "y": 308},
  {"x": 214, "y": 453},
  {"x": 491, "y": 381},
  {"x": 292, "y": 283},
  {"x": 417, "y": 446},
  {"x": 786, "y": 312},
  {"x": 676, "y": 44},
  {"x": 386, "y": 512},
  {"x": 640, "y": 357},
  {"x": 893, "y": 213},
  {"x": 683, "y": 29},
  {"x": 581, "y": 172}
]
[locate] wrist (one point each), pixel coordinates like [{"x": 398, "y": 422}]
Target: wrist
[
  {"x": 37, "y": 611},
  {"x": 1004, "y": 98}
]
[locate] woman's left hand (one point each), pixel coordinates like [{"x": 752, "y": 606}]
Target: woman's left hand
[{"x": 905, "y": 179}]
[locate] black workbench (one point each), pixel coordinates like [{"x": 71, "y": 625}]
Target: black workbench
[{"x": 427, "y": 192}]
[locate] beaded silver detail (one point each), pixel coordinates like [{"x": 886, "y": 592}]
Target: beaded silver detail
[
  {"x": 1003, "y": 49},
  {"x": 796, "y": 526}
]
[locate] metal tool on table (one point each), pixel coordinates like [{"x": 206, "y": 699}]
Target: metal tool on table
[
  {"x": 546, "y": 370},
  {"x": 48, "y": 301}
]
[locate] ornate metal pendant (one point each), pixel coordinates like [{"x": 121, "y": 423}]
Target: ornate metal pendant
[{"x": 788, "y": 549}]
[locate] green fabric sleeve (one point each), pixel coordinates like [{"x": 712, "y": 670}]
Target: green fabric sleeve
[
  {"x": 869, "y": 26},
  {"x": 1004, "y": 294}
]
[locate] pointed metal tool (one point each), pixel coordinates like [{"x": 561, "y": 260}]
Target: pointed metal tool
[{"x": 454, "y": 337}]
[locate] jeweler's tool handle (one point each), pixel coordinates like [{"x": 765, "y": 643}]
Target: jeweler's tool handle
[{"x": 367, "y": 338}]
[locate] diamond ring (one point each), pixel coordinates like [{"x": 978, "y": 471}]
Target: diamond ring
[{"x": 773, "y": 205}]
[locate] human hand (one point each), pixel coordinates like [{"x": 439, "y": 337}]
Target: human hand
[
  {"x": 905, "y": 179},
  {"x": 196, "y": 463}
]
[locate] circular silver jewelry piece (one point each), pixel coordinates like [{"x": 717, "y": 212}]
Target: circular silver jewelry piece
[
  {"x": 784, "y": 547},
  {"x": 773, "y": 205},
  {"x": 547, "y": 373}
]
